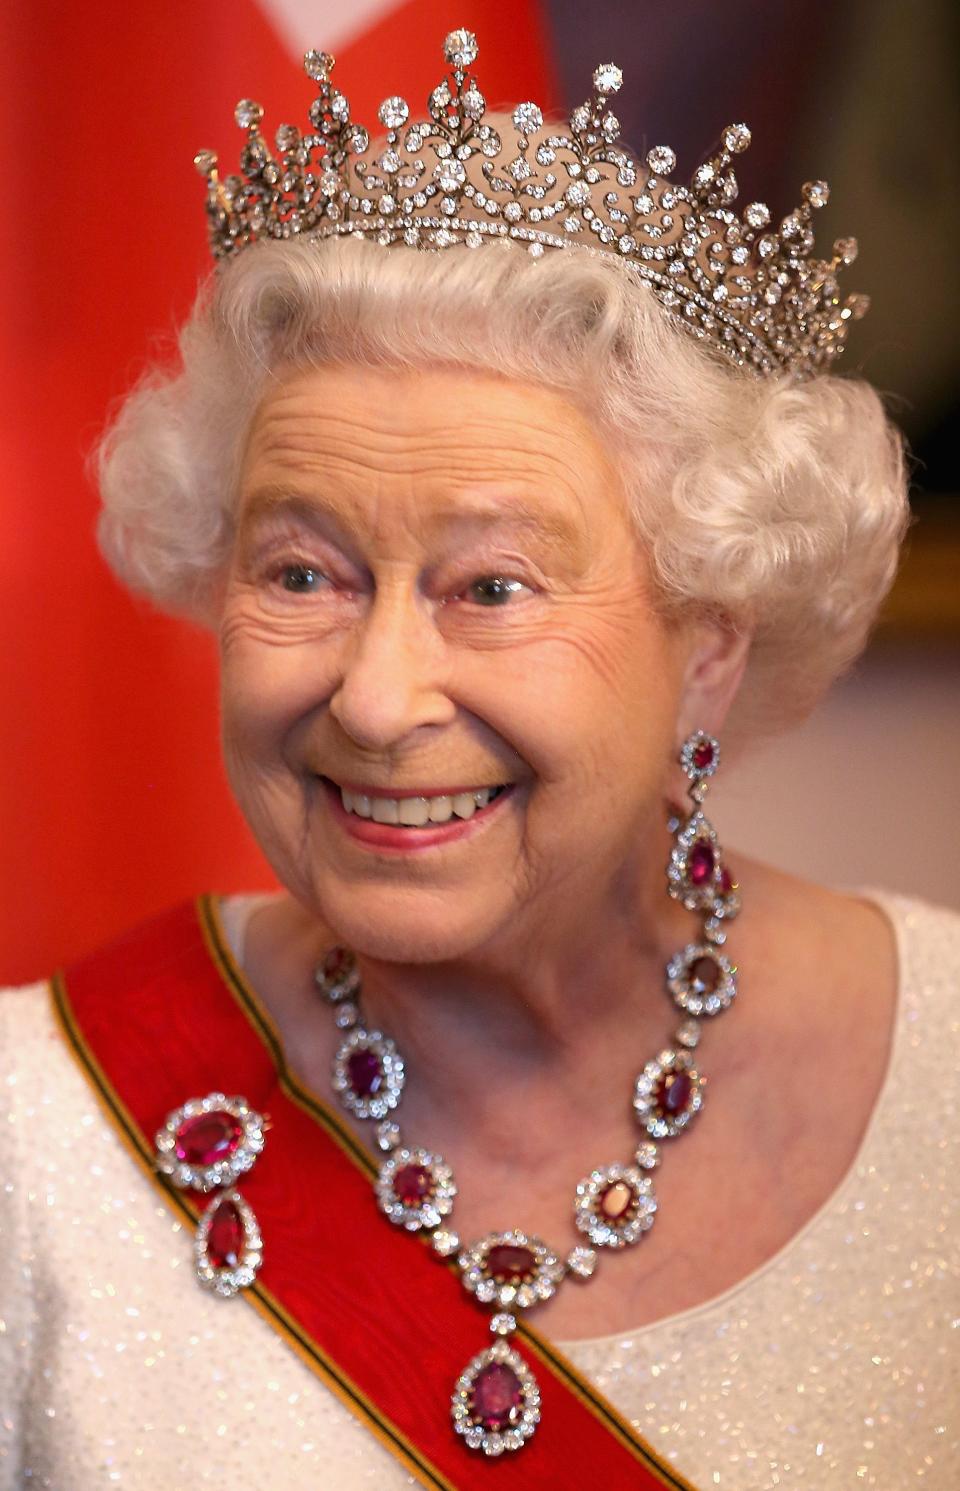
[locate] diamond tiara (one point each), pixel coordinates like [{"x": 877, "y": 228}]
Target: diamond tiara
[{"x": 753, "y": 291}]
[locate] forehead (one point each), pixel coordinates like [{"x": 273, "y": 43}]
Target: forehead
[{"x": 461, "y": 444}]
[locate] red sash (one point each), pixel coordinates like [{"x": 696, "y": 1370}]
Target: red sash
[{"x": 163, "y": 1015}]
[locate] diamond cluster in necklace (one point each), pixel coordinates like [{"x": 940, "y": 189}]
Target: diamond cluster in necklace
[
  {"x": 749, "y": 287},
  {"x": 495, "y": 1403}
]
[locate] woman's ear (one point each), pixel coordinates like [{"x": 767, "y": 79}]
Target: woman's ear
[{"x": 714, "y": 670}]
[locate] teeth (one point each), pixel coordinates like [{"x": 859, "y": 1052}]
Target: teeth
[
  {"x": 441, "y": 809},
  {"x": 414, "y": 812}
]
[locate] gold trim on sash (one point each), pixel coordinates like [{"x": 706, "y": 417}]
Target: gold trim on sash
[
  {"x": 306, "y": 1348},
  {"x": 249, "y": 1001}
]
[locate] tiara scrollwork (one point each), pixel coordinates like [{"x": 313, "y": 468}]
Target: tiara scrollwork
[{"x": 753, "y": 290}]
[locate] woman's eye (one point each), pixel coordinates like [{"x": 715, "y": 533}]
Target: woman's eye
[
  {"x": 301, "y": 579},
  {"x": 493, "y": 590}
]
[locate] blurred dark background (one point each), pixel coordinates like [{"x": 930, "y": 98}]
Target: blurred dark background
[{"x": 865, "y": 94}]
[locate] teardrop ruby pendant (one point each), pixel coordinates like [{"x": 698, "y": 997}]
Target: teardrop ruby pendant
[
  {"x": 228, "y": 1247},
  {"x": 496, "y": 1401}
]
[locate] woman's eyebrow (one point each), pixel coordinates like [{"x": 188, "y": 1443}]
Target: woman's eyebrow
[
  {"x": 543, "y": 522},
  {"x": 283, "y": 501},
  {"x": 540, "y": 522}
]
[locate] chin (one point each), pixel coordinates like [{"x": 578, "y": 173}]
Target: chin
[{"x": 404, "y": 924}]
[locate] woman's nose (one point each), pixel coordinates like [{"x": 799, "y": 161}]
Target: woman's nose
[{"x": 391, "y": 680}]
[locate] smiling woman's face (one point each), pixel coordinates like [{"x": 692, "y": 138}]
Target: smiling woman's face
[{"x": 436, "y": 588}]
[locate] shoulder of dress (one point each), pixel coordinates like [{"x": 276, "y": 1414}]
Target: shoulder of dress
[
  {"x": 928, "y": 942},
  {"x": 34, "y": 1058},
  {"x": 28, "y": 1025},
  {"x": 24, "y": 1002},
  {"x": 926, "y": 931}
]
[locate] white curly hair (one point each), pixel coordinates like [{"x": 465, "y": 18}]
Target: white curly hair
[{"x": 776, "y": 504}]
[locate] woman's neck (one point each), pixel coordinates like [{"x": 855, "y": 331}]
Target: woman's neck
[{"x": 554, "y": 1008}]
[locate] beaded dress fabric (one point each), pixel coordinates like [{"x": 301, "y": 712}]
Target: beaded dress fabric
[{"x": 833, "y": 1365}]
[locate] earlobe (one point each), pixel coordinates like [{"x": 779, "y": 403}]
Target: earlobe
[{"x": 714, "y": 672}]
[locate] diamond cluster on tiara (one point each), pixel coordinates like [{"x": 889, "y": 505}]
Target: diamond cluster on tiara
[{"x": 749, "y": 288}]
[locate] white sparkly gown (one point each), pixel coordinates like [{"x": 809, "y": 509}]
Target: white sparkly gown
[{"x": 835, "y": 1365}]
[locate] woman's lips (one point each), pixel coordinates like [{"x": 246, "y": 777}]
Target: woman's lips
[{"x": 391, "y": 836}]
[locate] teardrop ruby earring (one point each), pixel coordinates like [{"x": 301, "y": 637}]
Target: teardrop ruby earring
[{"x": 696, "y": 873}]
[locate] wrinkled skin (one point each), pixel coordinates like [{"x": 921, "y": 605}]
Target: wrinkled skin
[
  {"x": 386, "y": 667},
  {"x": 520, "y": 969}
]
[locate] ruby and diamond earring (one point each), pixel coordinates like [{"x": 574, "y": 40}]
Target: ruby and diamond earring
[{"x": 495, "y": 1402}]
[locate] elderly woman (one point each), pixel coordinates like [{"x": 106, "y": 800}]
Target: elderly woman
[{"x": 513, "y": 478}]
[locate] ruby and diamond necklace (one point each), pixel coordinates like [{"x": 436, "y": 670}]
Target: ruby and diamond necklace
[
  {"x": 209, "y": 1143},
  {"x": 496, "y": 1401}
]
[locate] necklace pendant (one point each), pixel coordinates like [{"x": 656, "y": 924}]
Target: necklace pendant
[
  {"x": 615, "y": 1206},
  {"x": 668, "y": 1094},
  {"x": 511, "y": 1270},
  {"x": 338, "y": 977},
  {"x": 496, "y": 1401},
  {"x": 701, "y": 980},
  {"x": 415, "y": 1189},
  {"x": 368, "y": 1074}
]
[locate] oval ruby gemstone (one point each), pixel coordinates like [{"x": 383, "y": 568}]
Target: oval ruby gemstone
[
  {"x": 674, "y": 1092},
  {"x": 208, "y": 1137},
  {"x": 365, "y": 1072},
  {"x": 701, "y": 862},
  {"x": 337, "y": 962},
  {"x": 616, "y": 1200},
  {"x": 225, "y": 1238},
  {"x": 506, "y": 1261},
  {"x": 496, "y": 1400},
  {"x": 412, "y": 1184},
  {"x": 703, "y": 754},
  {"x": 705, "y": 972}
]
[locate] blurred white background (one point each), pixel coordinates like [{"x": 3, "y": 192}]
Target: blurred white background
[{"x": 867, "y": 791}]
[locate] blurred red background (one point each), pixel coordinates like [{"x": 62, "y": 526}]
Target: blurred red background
[{"x": 112, "y": 799}]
